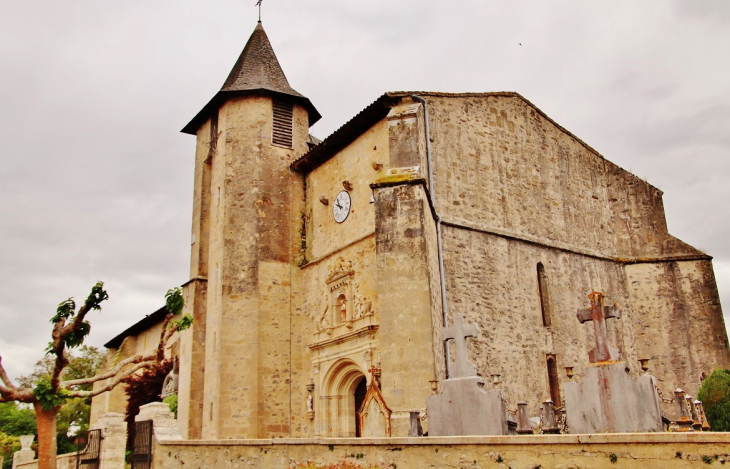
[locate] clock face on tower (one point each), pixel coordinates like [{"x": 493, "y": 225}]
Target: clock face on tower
[{"x": 341, "y": 208}]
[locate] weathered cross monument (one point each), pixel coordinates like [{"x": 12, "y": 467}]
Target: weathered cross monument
[
  {"x": 609, "y": 400},
  {"x": 464, "y": 407}
]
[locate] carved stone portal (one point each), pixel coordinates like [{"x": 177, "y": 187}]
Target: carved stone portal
[{"x": 342, "y": 303}]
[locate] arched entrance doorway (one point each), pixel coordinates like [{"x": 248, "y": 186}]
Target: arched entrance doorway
[
  {"x": 360, "y": 391},
  {"x": 340, "y": 390}
]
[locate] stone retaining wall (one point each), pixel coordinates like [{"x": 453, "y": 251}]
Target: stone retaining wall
[
  {"x": 63, "y": 461},
  {"x": 639, "y": 450}
]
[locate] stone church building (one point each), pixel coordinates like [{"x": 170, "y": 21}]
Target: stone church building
[{"x": 318, "y": 267}]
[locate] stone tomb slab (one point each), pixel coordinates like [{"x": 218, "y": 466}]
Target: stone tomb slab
[
  {"x": 466, "y": 408},
  {"x": 611, "y": 401}
]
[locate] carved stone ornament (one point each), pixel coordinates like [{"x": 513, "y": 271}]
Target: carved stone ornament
[
  {"x": 26, "y": 441},
  {"x": 170, "y": 385},
  {"x": 339, "y": 304},
  {"x": 374, "y": 415}
]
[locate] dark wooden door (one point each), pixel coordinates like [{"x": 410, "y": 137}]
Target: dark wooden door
[{"x": 360, "y": 391}]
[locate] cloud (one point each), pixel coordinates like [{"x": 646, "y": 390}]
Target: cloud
[{"x": 96, "y": 182}]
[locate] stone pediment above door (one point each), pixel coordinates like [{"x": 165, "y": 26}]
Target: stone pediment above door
[{"x": 343, "y": 313}]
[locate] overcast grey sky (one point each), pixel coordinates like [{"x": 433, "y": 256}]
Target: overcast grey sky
[{"x": 96, "y": 180}]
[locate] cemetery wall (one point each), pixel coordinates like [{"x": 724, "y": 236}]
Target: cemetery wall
[
  {"x": 63, "y": 461},
  {"x": 638, "y": 451}
]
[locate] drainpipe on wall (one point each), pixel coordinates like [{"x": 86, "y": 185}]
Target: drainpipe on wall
[{"x": 444, "y": 305}]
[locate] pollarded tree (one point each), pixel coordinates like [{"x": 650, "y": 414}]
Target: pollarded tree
[{"x": 70, "y": 329}]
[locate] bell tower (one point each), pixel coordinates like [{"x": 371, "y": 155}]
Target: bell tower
[{"x": 236, "y": 360}]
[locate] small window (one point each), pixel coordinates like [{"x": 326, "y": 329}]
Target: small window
[
  {"x": 282, "y": 128},
  {"x": 544, "y": 297}
]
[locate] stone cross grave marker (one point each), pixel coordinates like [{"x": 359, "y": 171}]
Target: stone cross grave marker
[
  {"x": 598, "y": 313},
  {"x": 462, "y": 367}
]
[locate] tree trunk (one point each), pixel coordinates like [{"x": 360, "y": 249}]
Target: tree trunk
[{"x": 46, "y": 437}]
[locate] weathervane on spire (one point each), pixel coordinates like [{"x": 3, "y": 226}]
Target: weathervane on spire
[{"x": 258, "y": 4}]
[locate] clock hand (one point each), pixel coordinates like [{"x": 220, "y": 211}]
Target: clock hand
[{"x": 338, "y": 205}]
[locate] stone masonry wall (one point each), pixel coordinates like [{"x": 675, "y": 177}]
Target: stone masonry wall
[
  {"x": 247, "y": 370},
  {"x": 678, "y": 321},
  {"x": 634, "y": 451},
  {"x": 499, "y": 164},
  {"x": 515, "y": 190},
  {"x": 404, "y": 290},
  {"x": 493, "y": 281},
  {"x": 327, "y": 246}
]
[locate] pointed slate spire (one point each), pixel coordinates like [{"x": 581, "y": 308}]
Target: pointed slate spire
[{"x": 257, "y": 70}]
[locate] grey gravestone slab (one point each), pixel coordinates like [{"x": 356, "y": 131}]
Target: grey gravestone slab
[
  {"x": 465, "y": 408},
  {"x": 610, "y": 401}
]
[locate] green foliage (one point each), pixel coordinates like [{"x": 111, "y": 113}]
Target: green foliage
[
  {"x": 715, "y": 396},
  {"x": 48, "y": 399},
  {"x": 172, "y": 402},
  {"x": 9, "y": 444},
  {"x": 17, "y": 419},
  {"x": 76, "y": 337},
  {"x": 67, "y": 310},
  {"x": 174, "y": 301},
  {"x": 184, "y": 323},
  {"x": 613, "y": 458},
  {"x": 706, "y": 459},
  {"x": 96, "y": 297}
]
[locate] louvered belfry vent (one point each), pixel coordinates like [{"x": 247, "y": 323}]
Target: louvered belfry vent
[{"x": 282, "y": 134}]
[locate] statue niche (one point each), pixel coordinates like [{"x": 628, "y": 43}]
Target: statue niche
[{"x": 341, "y": 302}]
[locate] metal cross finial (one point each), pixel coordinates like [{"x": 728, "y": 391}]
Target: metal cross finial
[
  {"x": 598, "y": 313},
  {"x": 258, "y": 4},
  {"x": 462, "y": 367}
]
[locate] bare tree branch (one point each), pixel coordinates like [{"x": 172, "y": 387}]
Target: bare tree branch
[
  {"x": 163, "y": 338},
  {"x": 113, "y": 383},
  {"x": 22, "y": 395},
  {"x": 111, "y": 372},
  {"x": 59, "y": 347},
  {"x": 6, "y": 392},
  {"x": 4, "y": 377}
]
